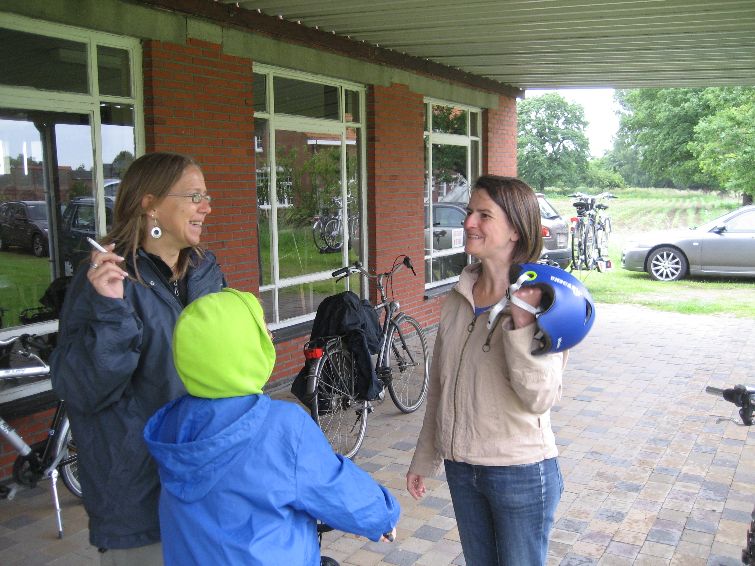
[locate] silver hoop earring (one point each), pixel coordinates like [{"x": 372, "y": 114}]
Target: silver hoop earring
[{"x": 155, "y": 232}]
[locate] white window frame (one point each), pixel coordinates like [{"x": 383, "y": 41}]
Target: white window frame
[
  {"x": 304, "y": 124},
  {"x": 442, "y": 138},
  {"x": 27, "y": 98}
]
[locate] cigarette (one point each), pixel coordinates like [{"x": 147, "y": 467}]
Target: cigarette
[
  {"x": 99, "y": 248},
  {"x": 96, "y": 246}
]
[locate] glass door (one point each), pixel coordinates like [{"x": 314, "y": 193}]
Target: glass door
[{"x": 46, "y": 162}]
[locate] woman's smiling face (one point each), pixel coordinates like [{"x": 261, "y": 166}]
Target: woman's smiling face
[
  {"x": 179, "y": 218},
  {"x": 488, "y": 230}
]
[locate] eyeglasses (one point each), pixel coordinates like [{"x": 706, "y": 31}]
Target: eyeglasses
[{"x": 196, "y": 198}]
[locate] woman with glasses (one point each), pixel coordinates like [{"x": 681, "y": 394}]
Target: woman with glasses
[{"x": 113, "y": 363}]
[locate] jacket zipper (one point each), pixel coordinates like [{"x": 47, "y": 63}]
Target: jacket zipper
[{"x": 470, "y": 329}]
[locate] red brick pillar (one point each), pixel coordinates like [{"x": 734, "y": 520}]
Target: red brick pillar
[
  {"x": 500, "y": 127},
  {"x": 396, "y": 179},
  {"x": 198, "y": 101}
]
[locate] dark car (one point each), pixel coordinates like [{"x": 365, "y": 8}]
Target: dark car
[
  {"x": 448, "y": 231},
  {"x": 724, "y": 246},
  {"x": 78, "y": 225},
  {"x": 24, "y": 224}
]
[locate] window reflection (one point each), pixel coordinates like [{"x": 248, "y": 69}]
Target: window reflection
[{"x": 47, "y": 63}]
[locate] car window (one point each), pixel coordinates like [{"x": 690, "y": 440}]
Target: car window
[
  {"x": 83, "y": 218},
  {"x": 742, "y": 223},
  {"x": 447, "y": 216},
  {"x": 546, "y": 210},
  {"x": 36, "y": 211}
]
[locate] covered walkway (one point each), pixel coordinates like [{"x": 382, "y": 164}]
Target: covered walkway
[{"x": 656, "y": 470}]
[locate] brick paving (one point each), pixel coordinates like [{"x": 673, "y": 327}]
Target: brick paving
[{"x": 656, "y": 471}]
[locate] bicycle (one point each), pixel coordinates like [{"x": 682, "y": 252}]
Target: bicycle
[
  {"x": 744, "y": 398},
  {"x": 402, "y": 366},
  {"x": 327, "y": 228},
  {"x": 56, "y": 455},
  {"x": 590, "y": 232}
]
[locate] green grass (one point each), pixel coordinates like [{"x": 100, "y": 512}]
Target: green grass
[
  {"x": 640, "y": 210},
  {"x": 23, "y": 280}
]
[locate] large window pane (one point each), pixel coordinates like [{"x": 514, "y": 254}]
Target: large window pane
[
  {"x": 305, "y": 98},
  {"x": 47, "y": 163},
  {"x": 41, "y": 62},
  {"x": 308, "y": 168}
]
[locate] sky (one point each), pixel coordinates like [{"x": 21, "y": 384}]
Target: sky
[{"x": 599, "y": 112}]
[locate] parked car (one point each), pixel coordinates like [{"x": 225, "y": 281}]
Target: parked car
[
  {"x": 78, "y": 224},
  {"x": 24, "y": 224},
  {"x": 448, "y": 230},
  {"x": 724, "y": 246},
  {"x": 555, "y": 234}
]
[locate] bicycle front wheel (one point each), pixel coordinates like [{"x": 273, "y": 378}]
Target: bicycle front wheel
[
  {"x": 318, "y": 236},
  {"x": 407, "y": 358},
  {"x": 335, "y": 407},
  {"x": 69, "y": 465}
]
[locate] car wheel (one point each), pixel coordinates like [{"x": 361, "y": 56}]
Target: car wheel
[
  {"x": 38, "y": 245},
  {"x": 3, "y": 243},
  {"x": 667, "y": 264}
]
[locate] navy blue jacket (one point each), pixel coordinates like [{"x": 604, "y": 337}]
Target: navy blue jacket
[
  {"x": 245, "y": 478},
  {"x": 114, "y": 368}
]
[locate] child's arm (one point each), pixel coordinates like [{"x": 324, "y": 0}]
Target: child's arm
[{"x": 339, "y": 493}]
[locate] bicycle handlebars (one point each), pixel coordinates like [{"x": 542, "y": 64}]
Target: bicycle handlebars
[
  {"x": 356, "y": 267},
  {"x": 741, "y": 396}
]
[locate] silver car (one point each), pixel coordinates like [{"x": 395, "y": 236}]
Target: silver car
[{"x": 724, "y": 246}]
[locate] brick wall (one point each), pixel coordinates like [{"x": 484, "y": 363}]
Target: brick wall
[
  {"x": 500, "y": 127},
  {"x": 395, "y": 195},
  {"x": 198, "y": 101},
  {"x": 32, "y": 428}
]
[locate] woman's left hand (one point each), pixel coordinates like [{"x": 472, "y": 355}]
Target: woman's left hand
[{"x": 530, "y": 295}]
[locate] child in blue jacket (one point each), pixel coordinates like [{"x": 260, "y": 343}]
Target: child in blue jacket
[{"x": 245, "y": 478}]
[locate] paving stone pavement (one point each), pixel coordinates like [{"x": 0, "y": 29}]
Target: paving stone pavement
[{"x": 656, "y": 470}]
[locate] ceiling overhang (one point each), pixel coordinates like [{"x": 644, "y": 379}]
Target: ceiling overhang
[{"x": 510, "y": 46}]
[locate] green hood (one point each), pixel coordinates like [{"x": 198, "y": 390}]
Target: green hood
[{"x": 221, "y": 347}]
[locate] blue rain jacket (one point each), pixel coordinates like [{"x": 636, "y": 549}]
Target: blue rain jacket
[
  {"x": 245, "y": 478},
  {"x": 113, "y": 367}
]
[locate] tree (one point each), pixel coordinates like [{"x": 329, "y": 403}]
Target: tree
[
  {"x": 724, "y": 142},
  {"x": 552, "y": 145},
  {"x": 661, "y": 124},
  {"x": 121, "y": 162}
]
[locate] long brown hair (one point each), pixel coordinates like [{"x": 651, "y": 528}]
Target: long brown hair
[
  {"x": 151, "y": 174},
  {"x": 519, "y": 202}
]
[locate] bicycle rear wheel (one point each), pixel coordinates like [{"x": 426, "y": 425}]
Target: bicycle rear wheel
[
  {"x": 407, "y": 359},
  {"x": 335, "y": 407},
  {"x": 69, "y": 465},
  {"x": 332, "y": 234}
]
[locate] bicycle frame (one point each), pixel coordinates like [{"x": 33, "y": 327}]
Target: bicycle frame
[{"x": 43, "y": 466}]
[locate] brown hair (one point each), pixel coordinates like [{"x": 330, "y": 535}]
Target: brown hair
[
  {"x": 151, "y": 174},
  {"x": 517, "y": 199}
]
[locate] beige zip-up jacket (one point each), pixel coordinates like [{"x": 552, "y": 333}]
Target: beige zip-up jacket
[{"x": 486, "y": 407}]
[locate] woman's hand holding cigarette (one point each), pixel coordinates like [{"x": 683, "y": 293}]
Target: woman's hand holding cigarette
[{"x": 104, "y": 273}]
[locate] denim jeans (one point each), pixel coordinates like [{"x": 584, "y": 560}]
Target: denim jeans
[{"x": 505, "y": 513}]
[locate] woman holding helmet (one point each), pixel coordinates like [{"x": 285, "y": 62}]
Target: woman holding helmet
[{"x": 488, "y": 409}]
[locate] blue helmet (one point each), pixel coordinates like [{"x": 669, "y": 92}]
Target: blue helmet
[{"x": 566, "y": 312}]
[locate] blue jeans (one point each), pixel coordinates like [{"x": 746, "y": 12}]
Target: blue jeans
[{"x": 505, "y": 513}]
